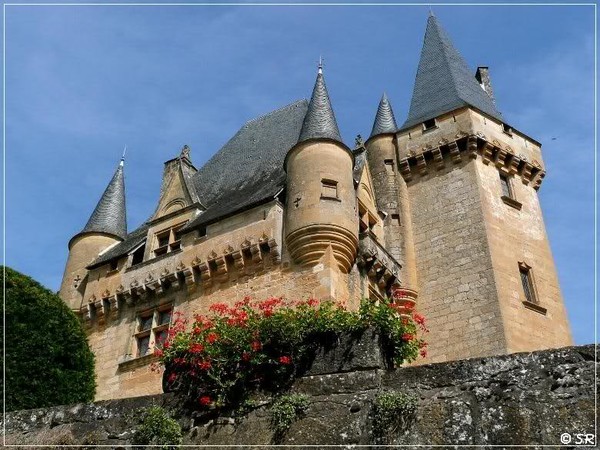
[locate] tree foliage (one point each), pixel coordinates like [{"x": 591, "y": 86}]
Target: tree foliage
[{"x": 48, "y": 360}]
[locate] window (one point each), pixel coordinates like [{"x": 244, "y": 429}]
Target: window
[
  {"x": 506, "y": 187},
  {"x": 138, "y": 255},
  {"x": 429, "y": 124},
  {"x": 151, "y": 330},
  {"x": 527, "y": 282},
  {"x": 114, "y": 265},
  {"x": 507, "y": 129},
  {"x": 395, "y": 220},
  {"x": 508, "y": 194},
  {"x": 329, "y": 189},
  {"x": 168, "y": 240},
  {"x": 389, "y": 166}
]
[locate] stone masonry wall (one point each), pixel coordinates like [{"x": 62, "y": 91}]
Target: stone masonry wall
[
  {"x": 456, "y": 284},
  {"x": 540, "y": 398}
]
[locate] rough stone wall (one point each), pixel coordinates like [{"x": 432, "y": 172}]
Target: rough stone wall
[
  {"x": 457, "y": 290},
  {"x": 520, "y": 399},
  {"x": 519, "y": 235}
]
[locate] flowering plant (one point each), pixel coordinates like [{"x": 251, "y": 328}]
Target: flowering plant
[{"x": 217, "y": 359}]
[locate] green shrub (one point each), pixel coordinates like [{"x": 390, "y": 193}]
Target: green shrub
[
  {"x": 286, "y": 410},
  {"x": 158, "y": 429},
  {"x": 391, "y": 411},
  {"x": 48, "y": 360}
]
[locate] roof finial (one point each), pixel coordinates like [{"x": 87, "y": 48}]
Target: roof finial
[
  {"x": 123, "y": 157},
  {"x": 320, "y": 67},
  {"x": 430, "y": 11}
]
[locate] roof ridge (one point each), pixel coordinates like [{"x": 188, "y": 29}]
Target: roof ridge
[{"x": 256, "y": 119}]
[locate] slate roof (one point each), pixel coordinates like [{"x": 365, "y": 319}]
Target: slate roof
[
  {"x": 246, "y": 171},
  {"x": 444, "y": 81},
  {"x": 385, "y": 122},
  {"x": 109, "y": 216},
  {"x": 320, "y": 120}
]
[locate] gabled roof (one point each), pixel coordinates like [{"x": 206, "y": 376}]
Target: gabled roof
[
  {"x": 109, "y": 216},
  {"x": 444, "y": 81},
  {"x": 320, "y": 120},
  {"x": 385, "y": 122}
]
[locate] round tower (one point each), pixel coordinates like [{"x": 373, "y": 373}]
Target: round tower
[
  {"x": 106, "y": 226},
  {"x": 391, "y": 193},
  {"x": 321, "y": 200}
]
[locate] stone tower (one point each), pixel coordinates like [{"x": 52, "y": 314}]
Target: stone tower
[
  {"x": 322, "y": 210},
  {"x": 106, "y": 226},
  {"x": 468, "y": 183}
]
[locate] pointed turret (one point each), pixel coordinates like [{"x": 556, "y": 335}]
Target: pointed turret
[
  {"x": 444, "y": 81},
  {"x": 321, "y": 199},
  {"x": 109, "y": 216},
  {"x": 319, "y": 122},
  {"x": 385, "y": 122}
]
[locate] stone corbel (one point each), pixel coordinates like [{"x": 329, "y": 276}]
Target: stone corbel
[
  {"x": 487, "y": 153},
  {"x": 255, "y": 252},
  {"x": 472, "y": 147},
  {"x": 405, "y": 169},
  {"x": 537, "y": 180},
  {"x": 421, "y": 164},
  {"x": 526, "y": 175},
  {"x": 438, "y": 158},
  {"x": 113, "y": 306},
  {"x": 513, "y": 165},
  {"x": 137, "y": 289},
  {"x": 274, "y": 249},
  {"x": 501, "y": 158},
  {"x": 86, "y": 312},
  {"x": 454, "y": 152},
  {"x": 205, "y": 272}
]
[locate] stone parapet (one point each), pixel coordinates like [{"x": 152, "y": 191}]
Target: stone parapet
[{"x": 521, "y": 399}]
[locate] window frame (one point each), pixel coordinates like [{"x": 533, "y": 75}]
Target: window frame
[
  {"x": 429, "y": 124},
  {"x": 327, "y": 185},
  {"x": 173, "y": 243},
  {"x": 510, "y": 199},
  {"x": 153, "y": 331},
  {"x": 528, "y": 285}
]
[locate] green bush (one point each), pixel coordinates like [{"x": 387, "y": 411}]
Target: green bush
[
  {"x": 48, "y": 361},
  {"x": 158, "y": 429},
  {"x": 391, "y": 411},
  {"x": 286, "y": 410}
]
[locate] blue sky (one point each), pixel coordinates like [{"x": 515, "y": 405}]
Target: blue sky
[{"x": 83, "y": 82}]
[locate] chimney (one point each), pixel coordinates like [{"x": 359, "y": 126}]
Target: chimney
[{"x": 483, "y": 77}]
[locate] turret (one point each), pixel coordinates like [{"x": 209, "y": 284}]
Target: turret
[
  {"x": 106, "y": 226},
  {"x": 321, "y": 200},
  {"x": 390, "y": 191}
]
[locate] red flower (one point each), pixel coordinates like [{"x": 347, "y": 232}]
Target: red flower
[
  {"x": 423, "y": 353},
  {"x": 158, "y": 352},
  {"x": 172, "y": 377},
  {"x": 256, "y": 346},
  {"x": 219, "y": 308},
  {"x": 196, "y": 330},
  {"x": 285, "y": 360},
  {"x": 398, "y": 294},
  {"x": 212, "y": 337},
  {"x": 408, "y": 337},
  {"x": 246, "y": 356},
  {"x": 418, "y": 318},
  {"x": 204, "y": 365},
  {"x": 205, "y": 400},
  {"x": 196, "y": 348},
  {"x": 312, "y": 302}
]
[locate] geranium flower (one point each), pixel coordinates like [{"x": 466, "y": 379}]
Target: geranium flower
[
  {"x": 285, "y": 360},
  {"x": 408, "y": 337},
  {"x": 205, "y": 400},
  {"x": 212, "y": 337},
  {"x": 423, "y": 353},
  {"x": 196, "y": 348},
  {"x": 246, "y": 356},
  {"x": 205, "y": 365},
  {"x": 256, "y": 346},
  {"x": 158, "y": 352}
]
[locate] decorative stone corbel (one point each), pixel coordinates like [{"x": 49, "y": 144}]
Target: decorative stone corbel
[
  {"x": 405, "y": 169},
  {"x": 472, "y": 147},
  {"x": 438, "y": 158},
  {"x": 454, "y": 152},
  {"x": 487, "y": 153},
  {"x": 421, "y": 164}
]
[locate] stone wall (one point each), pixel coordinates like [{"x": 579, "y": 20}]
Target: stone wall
[{"x": 519, "y": 399}]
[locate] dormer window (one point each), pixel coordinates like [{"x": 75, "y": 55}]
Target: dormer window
[
  {"x": 508, "y": 130},
  {"x": 114, "y": 265},
  {"x": 168, "y": 240},
  {"x": 138, "y": 255},
  {"x": 429, "y": 125}
]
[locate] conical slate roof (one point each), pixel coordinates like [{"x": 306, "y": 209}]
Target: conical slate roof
[
  {"x": 385, "y": 121},
  {"x": 444, "y": 81},
  {"x": 109, "y": 216},
  {"x": 319, "y": 121}
]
